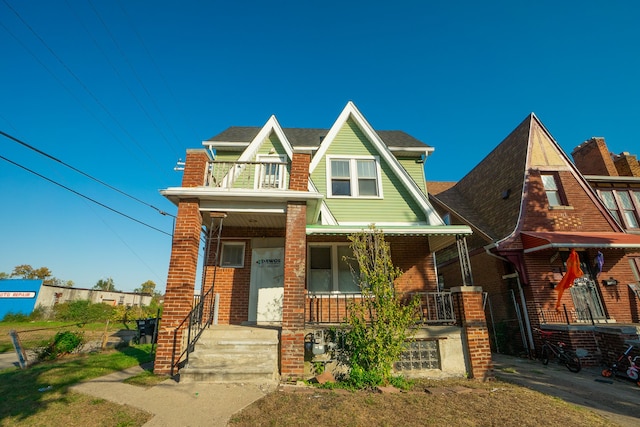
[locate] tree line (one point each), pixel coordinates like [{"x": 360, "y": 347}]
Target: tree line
[{"x": 26, "y": 271}]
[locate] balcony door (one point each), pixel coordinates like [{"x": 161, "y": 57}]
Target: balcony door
[{"x": 270, "y": 172}]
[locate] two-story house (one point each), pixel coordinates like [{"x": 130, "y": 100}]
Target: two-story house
[
  {"x": 529, "y": 206},
  {"x": 277, "y": 206}
]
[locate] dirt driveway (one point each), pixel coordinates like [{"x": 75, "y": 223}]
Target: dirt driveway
[{"x": 616, "y": 399}]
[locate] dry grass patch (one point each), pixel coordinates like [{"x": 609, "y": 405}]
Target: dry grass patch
[{"x": 494, "y": 403}]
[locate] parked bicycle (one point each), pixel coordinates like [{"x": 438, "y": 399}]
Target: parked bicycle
[{"x": 565, "y": 357}]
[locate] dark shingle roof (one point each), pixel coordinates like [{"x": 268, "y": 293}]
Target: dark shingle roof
[
  {"x": 480, "y": 195},
  {"x": 310, "y": 137}
]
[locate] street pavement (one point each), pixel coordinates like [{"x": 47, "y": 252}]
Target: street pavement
[{"x": 616, "y": 399}]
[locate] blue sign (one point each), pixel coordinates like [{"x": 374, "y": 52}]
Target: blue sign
[{"x": 18, "y": 296}]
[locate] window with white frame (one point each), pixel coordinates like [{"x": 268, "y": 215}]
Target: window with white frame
[
  {"x": 353, "y": 177},
  {"x": 328, "y": 269},
  {"x": 553, "y": 189},
  {"x": 624, "y": 205},
  {"x": 232, "y": 254}
]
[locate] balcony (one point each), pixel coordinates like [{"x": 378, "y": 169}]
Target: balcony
[{"x": 266, "y": 175}]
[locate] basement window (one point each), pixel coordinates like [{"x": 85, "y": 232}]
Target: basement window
[
  {"x": 232, "y": 255},
  {"x": 420, "y": 355}
]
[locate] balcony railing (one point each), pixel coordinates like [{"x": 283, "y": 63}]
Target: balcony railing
[
  {"x": 332, "y": 308},
  {"x": 247, "y": 175}
]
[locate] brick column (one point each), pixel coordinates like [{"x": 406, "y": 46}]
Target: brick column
[
  {"x": 470, "y": 315},
  {"x": 178, "y": 299},
  {"x": 292, "y": 335}
]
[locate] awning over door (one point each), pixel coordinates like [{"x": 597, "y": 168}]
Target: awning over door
[{"x": 533, "y": 241}]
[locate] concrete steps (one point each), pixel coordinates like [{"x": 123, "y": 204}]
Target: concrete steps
[{"x": 234, "y": 354}]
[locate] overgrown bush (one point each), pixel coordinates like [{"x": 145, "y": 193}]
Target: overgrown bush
[
  {"x": 15, "y": 317},
  {"x": 379, "y": 327},
  {"x": 62, "y": 343},
  {"x": 82, "y": 311}
]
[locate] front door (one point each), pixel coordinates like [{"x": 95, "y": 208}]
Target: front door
[{"x": 266, "y": 289}]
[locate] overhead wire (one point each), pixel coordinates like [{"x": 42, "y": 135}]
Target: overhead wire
[
  {"x": 79, "y": 81},
  {"x": 77, "y": 193},
  {"x": 85, "y": 174}
]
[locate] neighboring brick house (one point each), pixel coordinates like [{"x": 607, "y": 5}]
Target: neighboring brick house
[
  {"x": 278, "y": 205},
  {"x": 528, "y": 206}
]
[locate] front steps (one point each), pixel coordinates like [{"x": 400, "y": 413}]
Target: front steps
[{"x": 234, "y": 354}]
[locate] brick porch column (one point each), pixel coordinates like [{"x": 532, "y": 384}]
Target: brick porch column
[
  {"x": 295, "y": 254},
  {"x": 470, "y": 315},
  {"x": 178, "y": 299}
]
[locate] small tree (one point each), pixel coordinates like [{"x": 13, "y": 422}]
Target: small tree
[
  {"x": 147, "y": 288},
  {"x": 105, "y": 285},
  {"x": 379, "y": 327}
]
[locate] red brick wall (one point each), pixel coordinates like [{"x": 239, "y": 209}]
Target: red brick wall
[
  {"x": 292, "y": 338},
  {"x": 627, "y": 165},
  {"x": 178, "y": 298},
  {"x": 194, "y": 168},
  {"x": 299, "y": 179},
  {"x": 413, "y": 257},
  {"x": 592, "y": 157},
  {"x": 469, "y": 311}
]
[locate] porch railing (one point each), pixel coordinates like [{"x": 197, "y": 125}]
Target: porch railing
[
  {"x": 199, "y": 318},
  {"x": 247, "y": 175},
  {"x": 565, "y": 316},
  {"x": 332, "y": 308}
]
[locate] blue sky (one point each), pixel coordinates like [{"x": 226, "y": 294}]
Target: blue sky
[{"x": 120, "y": 89}]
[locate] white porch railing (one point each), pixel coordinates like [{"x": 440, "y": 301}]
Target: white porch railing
[{"x": 247, "y": 175}]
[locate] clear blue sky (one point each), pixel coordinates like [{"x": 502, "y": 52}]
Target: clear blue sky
[{"x": 120, "y": 89}]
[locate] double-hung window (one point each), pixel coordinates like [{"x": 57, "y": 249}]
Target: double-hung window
[
  {"x": 553, "y": 189},
  {"x": 329, "y": 271},
  {"x": 624, "y": 205},
  {"x": 354, "y": 177}
]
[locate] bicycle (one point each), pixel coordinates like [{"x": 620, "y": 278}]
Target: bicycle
[{"x": 565, "y": 357}]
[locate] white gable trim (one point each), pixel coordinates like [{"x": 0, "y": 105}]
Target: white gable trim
[
  {"x": 327, "y": 216},
  {"x": 272, "y": 125},
  {"x": 350, "y": 110}
]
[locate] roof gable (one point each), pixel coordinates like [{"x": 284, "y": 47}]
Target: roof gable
[{"x": 351, "y": 117}]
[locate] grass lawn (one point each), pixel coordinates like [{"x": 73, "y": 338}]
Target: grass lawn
[
  {"x": 40, "y": 396},
  {"x": 32, "y": 334},
  {"x": 493, "y": 403}
]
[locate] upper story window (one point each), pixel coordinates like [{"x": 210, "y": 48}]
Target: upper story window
[
  {"x": 552, "y": 188},
  {"x": 328, "y": 270},
  {"x": 624, "y": 205},
  {"x": 353, "y": 177}
]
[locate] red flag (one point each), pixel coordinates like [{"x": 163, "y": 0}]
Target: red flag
[{"x": 573, "y": 272}]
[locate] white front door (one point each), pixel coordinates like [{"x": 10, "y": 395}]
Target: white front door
[{"x": 266, "y": 289}]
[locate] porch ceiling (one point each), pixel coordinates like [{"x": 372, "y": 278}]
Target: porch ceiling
[{"x": 249, "y": 219}]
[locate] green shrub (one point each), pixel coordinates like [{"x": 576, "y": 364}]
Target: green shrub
[
  {"x": 82, "y": 311},
  {"x": 63, "y": 343},
  {"x": 379, "y": 327},
  {"x": 15, "y": 317}
]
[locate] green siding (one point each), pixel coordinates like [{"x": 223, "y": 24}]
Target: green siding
[
  {"x": 397, "y": 204},
  {"x": 416, "y": 171},
  {"x": 227, "y": 156},
  {"x": 270, "y": 142}
]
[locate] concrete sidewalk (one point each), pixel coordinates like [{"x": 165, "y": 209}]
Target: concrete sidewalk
[
  {"x": 175, "y": 404},
  {"x": 616, "y": 399}
]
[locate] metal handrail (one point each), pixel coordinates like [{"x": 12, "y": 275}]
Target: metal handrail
[{"x": 331, "y": 307}]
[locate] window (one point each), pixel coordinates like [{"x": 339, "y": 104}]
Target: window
[
  {"x": 232, "y": 255},
  {"x": 624, "y": 205},
  {"x": 552, "y": 189},
  {"x": 354, "y": 177},
  {"x": 328, "y": 271}
]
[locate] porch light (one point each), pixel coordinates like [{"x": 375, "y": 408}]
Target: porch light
[{"x": 610, "y": 282}]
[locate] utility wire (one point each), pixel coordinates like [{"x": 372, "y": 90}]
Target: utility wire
[
  {"x": 83, "y": 196},
  {"x": 79, "y": 81},
  {"x": 55, "y": 159}
]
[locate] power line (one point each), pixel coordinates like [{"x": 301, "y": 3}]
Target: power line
[
  {"x": 83, "y": 196},
  {"x": 55, "y": 159},
  {"x": 79, "y": 81}
]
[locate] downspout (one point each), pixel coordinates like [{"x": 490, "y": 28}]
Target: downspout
[{"x": 520, "y": 292}]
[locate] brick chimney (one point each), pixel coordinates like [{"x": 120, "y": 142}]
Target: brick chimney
[
  {"x": 592, "y": 157},
  {"x": 627, "y": 164}
]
